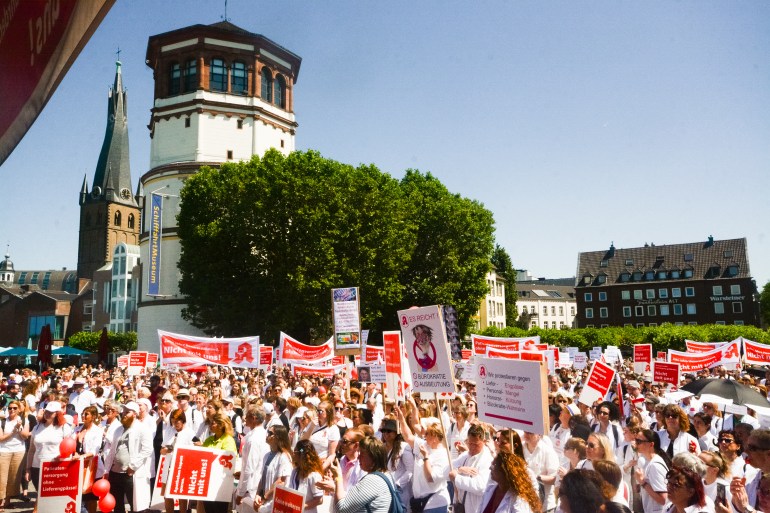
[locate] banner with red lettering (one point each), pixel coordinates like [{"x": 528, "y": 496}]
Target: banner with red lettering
[
  {"x": 501, "y": 353},
  {"x": 701, "y": 347},
  {"x": 152, "y": 360},
  {"x": 294, "y": 351},
  {"x": 373, "y": 354},
  {"x": 60, "y": 486},
  {"x": 137, "y": 363},
  {"x": 599, "y": 381},
  {"x": 642, "y": 358},
  {"x": 201, "y": 473},
  {"x": 308, "y": 370},
  {"x": 665, "y": 372},
  {"x": 265, "y": 357},
  {"x": 288, "y": 500},
  {"x": 188, "y": 351},
  {"x": 481, "y": 343},
  {"x": 466, "y": 353},
  {"x": 727, "y": 355},
  {"x": 123, "y": 361},
  {"x": 755, "y": 353}
]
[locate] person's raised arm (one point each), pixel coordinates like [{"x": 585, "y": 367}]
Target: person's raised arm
[{"x": 406, "y": 431}]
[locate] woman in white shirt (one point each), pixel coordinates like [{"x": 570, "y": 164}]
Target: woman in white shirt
[
  {"x": 46, "y": 438},
  {"x": 180, "y": 435},
  {"x": 12, "y": 447},
  {"x": 306, "y": 473},
  {"x": 652, "y": 480},
  {"x": 325, "y": 436}
]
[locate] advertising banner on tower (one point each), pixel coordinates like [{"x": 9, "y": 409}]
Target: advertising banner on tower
[
  {"x": 425, "y": 342},
  {"x": 156, "y": 226},
  {"x": 186, "y": 351}
]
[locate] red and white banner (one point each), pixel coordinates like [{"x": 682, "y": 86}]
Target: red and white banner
[
  {"x": 374, "y": 354},
  {"x": 642, "y": 358},
  {"x": 397, "y": 381},
  {"x": 309, "y": 370},
  {"x": 188, "y": 351},
  {"x": 288, "y": 500},
  {"x": 501, "y": 353},
  {"x": 201, "y": 473},
  {"x": 701, "y": 347},
  {"x": 123, "y": 361},
  {"x": 137, "y": 362},
  {"x": 265, "y": 357},
  {"x": 152, "y": 360},
  {"x": 60, "y": 486},
  {"x": 755, "y": 353},
  {"x": 294, "y": 351},
  {"x": 599, "y": 381},
  {"x": 480, "y": 344},
  {"x": 665, "y": 372},
  {"x": 467, "y": 353},
  {"x": 728, "y": 355}
]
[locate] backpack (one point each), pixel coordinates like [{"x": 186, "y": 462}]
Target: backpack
[{"x": 395, "y": 499}]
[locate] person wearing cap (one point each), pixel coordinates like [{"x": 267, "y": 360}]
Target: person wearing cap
[
  {"x": 81, "y": 398},
  {"x": 129, "y": 463},
  {"x": 634, "y": 398},
  {"x": 194, "y": 417},
  {"x": 45, "y": 439}
]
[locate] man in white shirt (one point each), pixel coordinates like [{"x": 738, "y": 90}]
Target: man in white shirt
[
  {"x": 471, "y": 470},
  {"x": 81, "y": 398},
  {"x": 544, "y": 462},
  {"x": 194, "y": 417},
  {"x": 254, "y": 449}
]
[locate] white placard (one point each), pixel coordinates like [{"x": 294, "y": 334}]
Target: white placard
[{"x": 580, "y": 360}]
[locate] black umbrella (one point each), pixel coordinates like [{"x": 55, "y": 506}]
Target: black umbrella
[{"x": 727, "y": 389}]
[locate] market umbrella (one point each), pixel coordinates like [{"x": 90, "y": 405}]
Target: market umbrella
[
  {"x": 68, "y": 351},
  {"x": 104, "y": 346},
  {"x": 19, "y": 351},
  {"x": 44, "y": 344},
  {"x": 728, "y": 389}
]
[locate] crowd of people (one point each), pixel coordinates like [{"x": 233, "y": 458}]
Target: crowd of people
[{"x": 346, "y": 448}]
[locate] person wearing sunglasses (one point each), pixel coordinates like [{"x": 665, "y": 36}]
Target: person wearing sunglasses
[
  {"x": 731, "y": 450},
  {"x": 716, "y": 482},
  {"x": 351, "y": 469},
  {"x": 752, "y": 493},
  {"x": 400, "y": 462},
  {"x": 13, "y": 435},
  {"x": 675, "y": 437},
  {"x": 685, "y": 491},
  {"x": 607, "y": 423},
  {"x": 652, "y": 479},
  {"x": 470, "y": 472},
  {"x": 276, "y": 469}
]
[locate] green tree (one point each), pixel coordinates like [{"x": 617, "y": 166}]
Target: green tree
[
  {"x": 450, "y": 258},
  {"x": 89, "y": 341},
  {"x": 764, "y": 304},
  {"x": 504, "y": 267}
]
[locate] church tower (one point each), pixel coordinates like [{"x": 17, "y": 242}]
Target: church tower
[
  {"x": 222, "y": 94},
  {"x": 109, "y": 213}
]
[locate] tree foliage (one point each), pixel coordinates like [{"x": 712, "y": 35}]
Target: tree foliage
[
  {"x": 265, "y": 241},
  {"x": 89, "y": 341},
  {"x": 764, "y": 304},
  {"x": 504, "y": 267}
]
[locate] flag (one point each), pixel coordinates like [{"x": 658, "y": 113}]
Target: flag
[{"x": 620, "y": 394}]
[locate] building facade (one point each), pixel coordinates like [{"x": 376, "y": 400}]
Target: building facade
[
  {"x": 222, "y": 94},
  {"x": 548, "y": 304},
  {"x": 682, "y": 284},
  {"x": 492, "y": 310}
]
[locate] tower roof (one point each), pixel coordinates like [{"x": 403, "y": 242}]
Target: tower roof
[
  {"x": 113, "y": 171},
  {"x": 6, "y": 265}
]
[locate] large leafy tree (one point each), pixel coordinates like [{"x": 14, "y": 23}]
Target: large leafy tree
[
  {"x": 265, "y": 241},
  {"x": 764, "y": 304},
  {"x": 504, "y": 267}
]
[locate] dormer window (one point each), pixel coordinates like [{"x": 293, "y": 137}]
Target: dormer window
[
  {"x": 625, "y": 276},
  {"x": 603, "y": 263},
  {"x": 637, "y": 275},
  {"x": 662, "y": 275},
  {"x": 732, "y": 270},
  {"x": 601, "y": 279},
  {"x": 714, "y": 271},
  {"x": 688, "y": 272},
  {"x": 629, "y": 261},
  {"x": 675, "y": 274},
  {"x": 587, "y": 279},
  {"x": 649, "y": 275}
]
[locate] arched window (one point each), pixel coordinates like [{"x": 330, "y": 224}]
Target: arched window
[
  {"x": 174, "y": 79},
  {"x": 267, "y": 85},
  {"x": 130, "y": 220},
  {"x": 191, "y": 75},
  {"x": 218, "y": 75},
  {"x": 238, "y": 79},
  {"x": 280, "y": 92},
  {"x": 117, "y": 218}
]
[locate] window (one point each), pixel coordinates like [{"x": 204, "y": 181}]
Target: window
[
  {"x": 625, "y": 294},
  {"x": 589, "y": 313},
  {"x": 229, "y": 154},
  {"x": 626, "y": 311},
  {"x": 553, "y": 310},
  {"x": 267, "y": 85},
  {"x": 601, "y": 279},
  {"x": 652, "y": 310},
  {"x": 238, "y": 84},
  {"x": 35, "y": 275},
  {"x": 738, "y": 323},
  {"x": 239, "y": 124},
  {"x": 639, "y": 311},
  {"x": 650, "y": 293},
  {"x": 688, "y": 257},
  {"x": 728, "y": 253},
  {"x": 545, "y": 310},
  {"x": 691, "y": 309},
  {"x": 662, "y": 275},
  {"x": 187, "y": 122},
  {"x": 652, "y": 324},
  {"x": 572, "y": 310},
  {"x": 588, "y": 297},
  {"x": 649, "y": 275},
  {"x": 664, "y": 310},
  {"x": 677, "y": 309},
  {"x": 603, "y": 263},
  {"x": 640, "y": 325},
  {"x": 629, "y": 261},
  {"x": 131, "y": 220},
  {"x": 602, "y": 296},
  {"x": 732, "y": 270},
  {"x": 117, "y": 219},
  {"x": 735, "y": 290},
  {"x": 689, "y": 291},
  {"x": 280, "y": 92},
  {"x": 174, "y": 79},
  {"x": 637, "y": 275},
  {"x": 663, "y": 293},
  {"x": 688, "y": 273},
  {"x": 624, "y": 277},
  {"x": 719, "y": 308},
  {"x": 716, "y": 290},
  {"x": 561, "y": 310},
  {"x": 675, "y": 274},
  {"x": 637, "y": 294},
  {"x": 737, "y": 307},
  {"x": 676, "y": 292},
  {"x": 191, "y": 76},
  {"x": 46, "y": 280},
  {"x": 604, "y": 312},
  {"x": 218, "y": 75}
]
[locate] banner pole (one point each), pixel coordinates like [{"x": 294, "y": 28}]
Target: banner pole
[{"x": 443, "y": 430}]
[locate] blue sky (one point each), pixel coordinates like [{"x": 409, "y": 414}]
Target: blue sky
[{"x": 576, "y": 123}]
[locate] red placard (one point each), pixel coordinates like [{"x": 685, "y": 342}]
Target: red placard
[
  {"x": 152, "y": 360},
  {"x": 756, "y": 353},
  {"x": 467, "y": 353},
  {"x": 200, "y": 473},
  {"x": 60, "y": 485},
  {"x": 598, "y": 384},
  {"x": 662, "y": 356},
  {"x": 480, "y": 344},
  {"x": 374, "y": 354},
  {"x": 288, "y": 500},
  {"x": 290, "y": 350},
  {"x": 665, "y": 372},
  {"x": 123, "y": 361},
  {"x": 265, "y": 356},
  {"x": 137, "y": 362}
]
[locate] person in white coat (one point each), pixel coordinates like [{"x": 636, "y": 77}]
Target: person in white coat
[
  {"x": 253, "y": 450},
  {"x": 129, "y": 464},
  {"x": 511, "y": 489},
  {"x": 471, "y": 470}
]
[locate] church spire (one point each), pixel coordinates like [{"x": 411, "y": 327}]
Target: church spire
[{"x": 113, "y": 170}]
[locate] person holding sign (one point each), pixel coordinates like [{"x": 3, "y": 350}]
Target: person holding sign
[
  {"x": 45, "y": 439},
  {"x": 221, "y": 438},
  {"x": 306, "y": 473},
  {"x": 276, "y": 469},
  {"x": 182, "y": 437},
  {"x": 676, "y": 437},
  {"x": 652, "y": 480}
]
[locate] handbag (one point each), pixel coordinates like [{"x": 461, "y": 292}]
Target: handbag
[
  {"x": 459, "y": 507},
  {"x": 417, "y": 504}
]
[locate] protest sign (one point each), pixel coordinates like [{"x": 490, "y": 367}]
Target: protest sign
[
  {"x": 287, "y": 500},
  {"x": 201, "y": 473},
  {"x": 481, "y": 343},
  {"x": 665, "y": 372},
  {"x": 378, "y": 372},
  {"x": 265, "y": 357},
  {"x": 642, "y": 358},
  {"x": 598, "y": 383},
  {"x": 565, "y": 360},
  {"x": 308, "y": 370},
  {"x": 60, "y": 485},
  {"x": 425, "y": 341},
  {"x": 756, "y": 353},
  {"x": 293, "y": 351},
  {"x": 161, "y": 478},
  {"x": 572, "y": 351},
  {"x": 123, "y": 361},
  {"x": 394, "y": 366},
  {"x": 373, "y": 354},
  {"x": 701, "y": 347},
  {"x": 662, "y": 356},
  {"x": 512, "y": 393},
  {"x": 190, "y": 352},
  {"x": 595, "y": 353},
  {"x": 90, "y": 465},
  {"x": 612, "y": 355},
  {"x": 502, "y": 353},
  {"x": 152, "y": 360},
  {"x": 137, "y": 363},
  {"x": 580, "y": 360},
  {"x": 727, "y": 355},
  {"x": 466, "y": 354},
  {"x": 347, "y": 320}
]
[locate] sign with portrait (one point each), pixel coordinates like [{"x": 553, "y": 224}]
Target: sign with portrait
[
  {"x": 427, "y": 350},
  {"x": 347, "y": 319}
]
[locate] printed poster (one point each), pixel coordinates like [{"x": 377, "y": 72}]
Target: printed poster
[
  {"x": 665, "y": 372},
  {"x": 425, "y": 342},
  {"x": 755, "y": 353},
  {"x": 288, "y": 500},
  {"x": 294, "y": 351},
  {"x": 187, "y": 351},
  {"x": 201, "y": 473},
  {"x": 123, "y": 361},
  {"x": 60, "y": 485},
  {"x": 347, "y": 318},
  {"x": 137, "y": 363},
  {"x": 642, "y": 358},
  {"x": 396, "y": 383},
  {"x": 599, "y": 381},
  {"x": 265, "y": 357}
]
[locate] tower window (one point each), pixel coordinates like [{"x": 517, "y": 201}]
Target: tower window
[
  {"x": 240, "y": 124},
  {"x": 280, "y": 92},
  {"x": 117, "y": 218},
  {"x": 267, "y": 85},
  {"x": 229, "y": 154},
  {"x": 218, "y": 78},
  {"x": 238, "y": 79},
  {"x": 191, "y": 76},
  {"x": 175, "y": 79},
  {"x": 131, "y": 221},
  {"x": 187, "y": 122}
]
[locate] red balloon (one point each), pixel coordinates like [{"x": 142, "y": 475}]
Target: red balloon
[
  {"x": 107, "y": 503},
  {"x": 101, "y": 488},
  {"x": 67, "y": 447}
]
